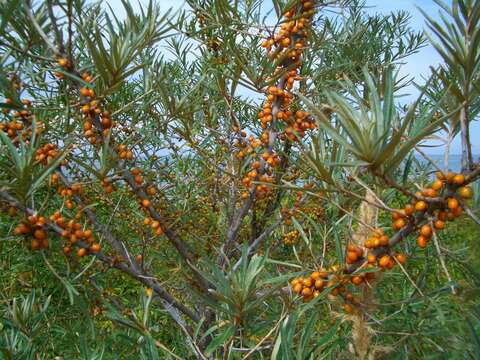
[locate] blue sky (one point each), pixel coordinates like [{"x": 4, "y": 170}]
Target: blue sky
[{"x": 416, "y": 65}]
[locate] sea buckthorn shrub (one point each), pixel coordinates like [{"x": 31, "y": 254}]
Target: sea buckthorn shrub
[{"x": 232, "y": 182}]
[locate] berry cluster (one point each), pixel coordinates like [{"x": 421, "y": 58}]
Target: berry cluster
[
  {"x": 46, "y": 153},
  {"x": 291, "y": 237},
  {"x": 278, "y": 117},
  {"x": 34, "y": 228},
  {"x": 427, "y": 213},
  {"x": 20, "y": 124},
  {"x": 93, "y": 113},
  {"x": 74, "y": 233},
  {"x": 438, "y": 203}
]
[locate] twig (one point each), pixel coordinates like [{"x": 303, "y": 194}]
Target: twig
[
  {"x": 428, "y": 158},
  {"x": 53, "y": 20},
  {"x": 408, "y": 277},
  {"x": 25, "y": 52},
  {"x": 470, "y": 213},
  {"x": 442, "y": 259},
  {"x": 265, "y": 337},
  {"x": 257, "y": 242}
]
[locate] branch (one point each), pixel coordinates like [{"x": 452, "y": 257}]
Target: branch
[
  {"x": 135, "y": 273},
  {"x": 441, "y": 257},
  {"x": 256, "y": 243},
  {"x": 180, "y": 245},
  {"x": 473, "y": 175},
  {"x": 53, "y": 20}
]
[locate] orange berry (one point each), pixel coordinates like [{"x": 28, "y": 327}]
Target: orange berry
[
  {"x": 273, "y": 90},
  {"x": 437, "y": 185},
  {"x": 384, "y": 240},
  {"x": 297, "y": 288},
  {"x": 35, "y": 244},
  {"x": 84, "y": 92},
  {"x": 106, "y": 123},
  {"x": 95, "y": 248},
  {"x": 450, "y": 177},
  {"x": 465, "y": 192},
  {"x": 440, "y": 175},
  {"x": 401, "y": 258},
  {"x": 306, "y": 292},
  {"x": 45, "y": 243},
  {"x": 39, "y": 234},
  {"x": 384, "y": 261},
  {"x": 145, "y": 203},
  {"x": 426, "y": 231},
  {"x": 352, "y": 257},
  {"x": 371, "y": 259},
  {"x": 323, "y": 275},
  {"x": 348, "y": 308},
  {"x": 439, "y": 225},
  {"x": 63, "y": 62},
  {"x": 442, "y": 215},
  {"x": 319, "y": 284},
  {"x": 421, "y": 206},
  {"x": 452, "y": 203},
  {"x": 351, "y": 247},
  {"x": 458, "y": 211},
  {"x": 430, "y": 193},
  {"x": 459, "y": 179},
  {"x": 285, "y": 42},
  {"x": 398, "y": 224},
  {"x": 307, "y": 282},
  {"x": 32, "y": 219},
  {"x": 21, "y": 229},
  {"x": 81, "y": 252},
  {"x": 357, "y": 280},
  {"x": 422, "y": 241},
  {"x": 409, "y": 209},
  {"x": 136, "y": 171}
]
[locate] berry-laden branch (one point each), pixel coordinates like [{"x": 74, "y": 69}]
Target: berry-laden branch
[
  {"x": 285, "y": 48},
  {"x": 97, "y": 126},
  {"x": 36, "y": 229},
  {"x": 442, "y": 202}
]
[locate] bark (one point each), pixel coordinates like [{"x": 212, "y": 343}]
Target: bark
[{"x": 361, "y": 332}]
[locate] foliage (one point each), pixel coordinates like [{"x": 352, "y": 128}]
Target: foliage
[{"x": 173, "y": 185}]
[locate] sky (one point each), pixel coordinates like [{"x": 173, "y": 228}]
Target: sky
[{"x": 416, "y": 65}]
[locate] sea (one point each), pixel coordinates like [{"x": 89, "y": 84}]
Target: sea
[{"x": 454, "y": 160}]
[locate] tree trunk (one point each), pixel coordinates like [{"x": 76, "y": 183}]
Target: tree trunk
[{"x": 361, "y": 332}]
